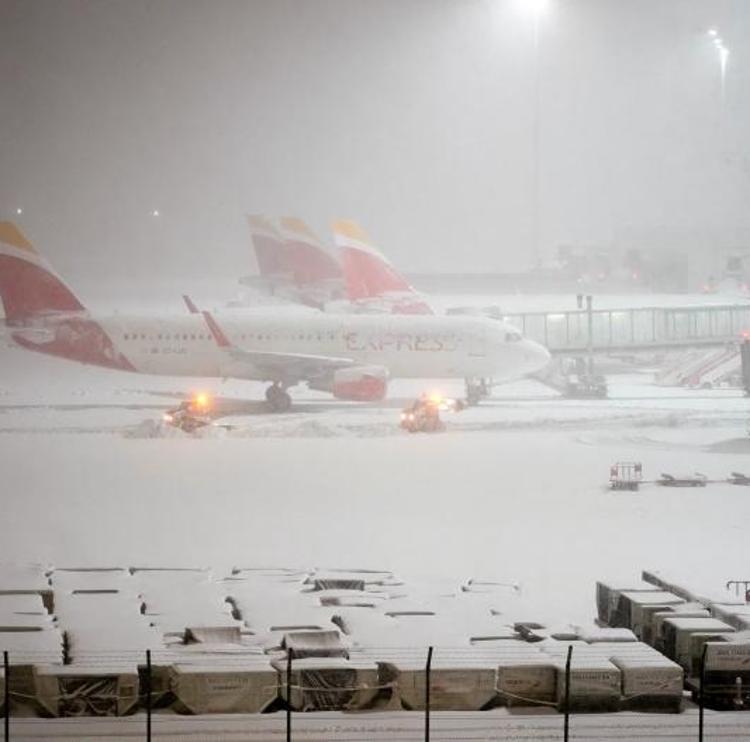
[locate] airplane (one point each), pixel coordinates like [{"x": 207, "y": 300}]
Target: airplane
[
  {"x": 351, "y": 356},
  {"x": 295, "y": 265}
]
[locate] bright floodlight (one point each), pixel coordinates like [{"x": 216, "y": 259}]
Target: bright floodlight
[
  {"x": 535, "y": 8},
  {"x": 713, "y": 33},
  {"x": 155, "y": 212},
  {"x": 19, "y": 211}
]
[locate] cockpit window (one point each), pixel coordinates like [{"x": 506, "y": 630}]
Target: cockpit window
[{"x": 513, "y": 337}]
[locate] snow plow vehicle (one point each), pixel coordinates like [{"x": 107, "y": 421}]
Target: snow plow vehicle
[
  {"x": 190, "y": 415},
  {"x": 423, "y": 415}
]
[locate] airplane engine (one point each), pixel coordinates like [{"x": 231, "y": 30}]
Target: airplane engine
[{"x": 360, "y": 384}]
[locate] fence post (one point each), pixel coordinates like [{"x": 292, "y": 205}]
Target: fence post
[
  {"x": 428, "y": 670},
  {"x": 288, "y": 695},
  {"x": 566, "y": 734},
  {"x": 6, "y": 695},
  {"x": 148, "y": 695},
  {"x": 700, "y": 692}
]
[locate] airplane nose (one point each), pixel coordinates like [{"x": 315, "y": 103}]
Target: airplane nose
[{"x": 536, "y": 356}]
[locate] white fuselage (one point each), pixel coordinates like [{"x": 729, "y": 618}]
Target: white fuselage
[{"x": 407, "y": 346}]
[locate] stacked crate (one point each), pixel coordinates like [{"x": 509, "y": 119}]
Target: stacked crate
[
  {"x": 28, "y": 632},
  {"x": 99, "y": 612}
]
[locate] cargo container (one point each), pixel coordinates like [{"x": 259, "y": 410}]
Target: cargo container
[
  {"x": 246, "y": 688},
  {"x": 329, "y": 683},
  {"x": 677, "y": 633},
  {"x": 78, "y": 690},
  {"x": 651, "y": 684}
]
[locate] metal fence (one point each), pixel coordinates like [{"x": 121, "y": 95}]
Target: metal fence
[{"x": 286, "y": 687}]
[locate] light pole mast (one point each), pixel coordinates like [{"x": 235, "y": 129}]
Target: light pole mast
[
  {"x": 535, "y": 143},
  {"x": 537, "y": 9}
]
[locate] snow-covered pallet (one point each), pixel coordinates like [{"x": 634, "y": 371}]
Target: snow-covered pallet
[
  {"x": 249, "y": 687},
  {"x": 527, "y": 681},
  {"x": 651, "y": 684},
  {"x": 727, "y": 674},
  {"x": 594, "y": 685},
  {"x": 654, "y": 631},
  {"x": 78, "y": 690},
  {"x": 29, "y": 579},
  {"x": 726, "y": 662},
  {"x": 737, "y": 616},
  {"x": 608, "y": 606},
  {"x": 329, "y": 683},
  {"x": 111, "y": 580},
  {"x": 635, "y": 609},
  {"x": 33, "y": 647},
  {"x": 684, "y": 639},
  {"x": 456, "y": 684},
  {"x": 302, "y": 644}
]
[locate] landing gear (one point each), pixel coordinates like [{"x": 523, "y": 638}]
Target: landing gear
[
  {"x": 278, "y": 398},
  {"x": 476, "y": 391}
]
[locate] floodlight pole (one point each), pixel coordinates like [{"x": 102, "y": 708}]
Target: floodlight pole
[{"x": 535, "y": 146}]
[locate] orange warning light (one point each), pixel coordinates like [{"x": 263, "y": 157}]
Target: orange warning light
[{"x": 201, "y": 401}]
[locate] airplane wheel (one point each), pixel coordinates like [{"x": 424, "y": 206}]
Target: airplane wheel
[{"x": 278, "y": 398}]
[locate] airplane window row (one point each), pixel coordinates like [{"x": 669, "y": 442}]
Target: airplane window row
[
  {"x": 193, "y": 336},
  {"x": 513, "y": 337},
  {"x": 161, "y": 336}
]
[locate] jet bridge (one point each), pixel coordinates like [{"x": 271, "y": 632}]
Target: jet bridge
[{"x": 650, "y": 328}]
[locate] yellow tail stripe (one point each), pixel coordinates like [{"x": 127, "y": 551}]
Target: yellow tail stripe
[
  {"x": 350, "y": 229},
  {"x": 11, "y": 235}
]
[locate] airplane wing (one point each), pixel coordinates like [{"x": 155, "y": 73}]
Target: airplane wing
[{"x": 269, "y": 365}]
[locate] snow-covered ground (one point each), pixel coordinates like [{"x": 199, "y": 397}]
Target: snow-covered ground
[{"x": 515, "y": 489}]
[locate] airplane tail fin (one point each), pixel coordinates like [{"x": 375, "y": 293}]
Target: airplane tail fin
[
  {"x": 28, "y": 285},
  {"x": 310, "y": 262},
  {"x": 270, "y": 250},
  {"x": 370, "y": 275}
]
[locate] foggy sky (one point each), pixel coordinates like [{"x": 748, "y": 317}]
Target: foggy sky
[{"x": 413, "y": 116}]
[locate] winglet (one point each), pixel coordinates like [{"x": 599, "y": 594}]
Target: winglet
[
  {"x": 221, "y": 339},
  {"x": 190, "y": 304}
]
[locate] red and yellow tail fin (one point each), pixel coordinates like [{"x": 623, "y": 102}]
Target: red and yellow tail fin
[
  {"x": 28, "y": 285},
  {"x": 309, "y": 261}
]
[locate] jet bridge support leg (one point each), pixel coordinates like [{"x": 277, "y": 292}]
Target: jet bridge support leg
[{"x": 477, "y": 390}]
